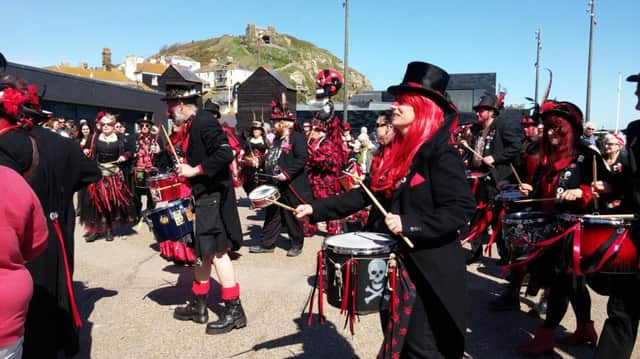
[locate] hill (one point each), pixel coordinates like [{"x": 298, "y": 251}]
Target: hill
[{"x": 296, "y": 60}]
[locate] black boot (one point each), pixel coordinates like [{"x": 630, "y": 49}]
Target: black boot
[
  {"x": 232, "y": 317},
  {"x": 91, "y": 237},
  {"x": 196, "y": 310},
  {"x": 109, "y": 236}
]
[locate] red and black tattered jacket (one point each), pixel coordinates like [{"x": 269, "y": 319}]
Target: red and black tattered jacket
[{"x": 324, "y": 158}]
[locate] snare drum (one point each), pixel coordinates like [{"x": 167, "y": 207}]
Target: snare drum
[
  {"x": 164, "y": 187},
  {"x": 474, "y": 178},
  {"x": 172, "y": 221},
  {"x": 263, "y": 196},
  {"x": 370, "y": 252},
  {"x": 605, "y": 244},
  {"x": 141, "y": 176},
  {"x": 521, "y": 229}
]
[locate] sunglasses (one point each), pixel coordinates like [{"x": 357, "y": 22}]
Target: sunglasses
[
  {"x": 106, "y": 124},
  {"x": 378, "y": 125},
  {"x": 145, "y": 125}
]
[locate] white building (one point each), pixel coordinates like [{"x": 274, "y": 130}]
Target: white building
[
  {"x": 183, "y": 61},
  {"x": 130, "y": 65}
]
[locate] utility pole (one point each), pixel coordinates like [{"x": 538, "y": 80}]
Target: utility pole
[
  {"x": 345, "y": 113},
  {"x": 592, "y": 15},
  {"x": 538, "y": 48}
]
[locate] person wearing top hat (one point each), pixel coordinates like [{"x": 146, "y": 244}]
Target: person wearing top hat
[
  {"x": 286, "y": 163},
  {"x": 620, "y": 329},
  {"x": 206, "y": 166},
  {"x": 498, "y": 141},
  {"x": 252, "y": 161},
  {"x": 325, "y": 166},
  {"x": 146, "y": 148},
  {"x": 421, "y": 182}
]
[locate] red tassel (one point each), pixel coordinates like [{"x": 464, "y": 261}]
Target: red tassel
[{"x": 67, "y": 270}]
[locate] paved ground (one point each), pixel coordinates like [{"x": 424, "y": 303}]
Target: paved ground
[{"x": 127, "y": 294}]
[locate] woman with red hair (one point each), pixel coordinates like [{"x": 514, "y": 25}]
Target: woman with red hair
[
  {"x": 564, "y": 173},
  {"x": 421, "y": 181}
]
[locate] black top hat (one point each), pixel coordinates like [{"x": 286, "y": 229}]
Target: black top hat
[
  {"x": 3, "y": 63},
  {"x": 564, "y": 109},
  {"x": 425, "y": 79},
  {"x": 258, "y": 125},
  {"x": 212, "y": 107},
  {"x": 180, "y": 92},
  {"x": 487, "y": 101},
  {"x": 634, "y": 78},
  {"x": 146, "y": 119}
]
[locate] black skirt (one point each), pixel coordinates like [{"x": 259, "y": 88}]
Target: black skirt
[{"x": 210, "y": 234}]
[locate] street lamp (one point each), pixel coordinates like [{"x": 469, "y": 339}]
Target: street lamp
[{"x": 345, "y": 111}]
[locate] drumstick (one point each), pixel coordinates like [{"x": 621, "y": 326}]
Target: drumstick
[
  {"x": 515, "y": 173},
  {"x": 279, "y": 204},
  {"x": 595, "y": 180},
  {"x": 175, "y": 154},
  {"x": 377, "y": 204},
  {"x": 536, "y": 200},
  {"x": 466, "y": 145}
]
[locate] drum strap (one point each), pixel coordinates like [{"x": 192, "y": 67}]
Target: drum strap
[
  {"x": 496, "y": 229},
  {"x": 608, "y": 250},
  {"x": 319, "y": 284},
  {"x": 72, "y": 298},
  {"x": 349, "y": 294}
]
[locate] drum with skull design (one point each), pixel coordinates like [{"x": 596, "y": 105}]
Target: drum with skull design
[{"x": 356, "y": 268}]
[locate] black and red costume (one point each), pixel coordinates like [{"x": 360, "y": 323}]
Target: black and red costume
[
  {"x": 107, "y": 203},
  {"x": 325, "y": 164},
  {"x": 143, "y": 166}
]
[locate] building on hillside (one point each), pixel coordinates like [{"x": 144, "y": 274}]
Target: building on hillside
[
  {"x": 75, "y": 97},
  {"x": 221, "y": 80},
  {"x": 256, "y": 93},
  {"x": 253, "y": 32},
  {"x": 183, "y": 61}
]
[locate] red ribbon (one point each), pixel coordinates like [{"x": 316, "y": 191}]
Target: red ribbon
[
  {"x": 497, "y": 228},
  {"x": 481, "y": 225},
  {"x": 320, "y": 287},
  {"x": 613, "y": 249},
  {"x": 349, "y": 294},
  {"x": 72, "y": 298}
]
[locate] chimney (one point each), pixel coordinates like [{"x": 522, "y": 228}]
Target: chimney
[{"x": 106, "y": 59}]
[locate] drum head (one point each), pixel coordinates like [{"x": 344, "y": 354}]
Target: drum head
[
  {"x": 263, "y": 191},
  {"x": 509, "y": 196},
  {"x": 161, "y": 177},
  {"x": 476, "y": 174},
  {"x": 525, "y": 217},
  {"x": 360, "y": 243}
]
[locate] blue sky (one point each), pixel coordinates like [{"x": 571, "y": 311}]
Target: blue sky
[{"x": 459, "y": 36}]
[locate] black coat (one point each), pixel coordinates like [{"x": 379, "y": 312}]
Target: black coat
[
  {"x": 505, "y": 147},
  {"x": 431, "y": 211},
  {"x": 63, "y": 170},
  {"x": 291, "y": 163},
  {"x": 209, "y": 147}
]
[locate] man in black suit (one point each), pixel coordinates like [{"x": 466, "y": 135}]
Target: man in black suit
[
  {"x": 498, "y": 141},
  {"x": 286, "y": 162},
  {"x": 208, "y": 155}
]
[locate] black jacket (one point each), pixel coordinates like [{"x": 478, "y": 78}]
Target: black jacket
[
  {"x": 209, "y": 147},
  {"x": 434, "y": 200},
  {"x": 507, "y": 137},
  {"x": 291, "y": 163}
]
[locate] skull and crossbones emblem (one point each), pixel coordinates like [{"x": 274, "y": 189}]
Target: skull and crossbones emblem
[{"x": 377, "y": 273}]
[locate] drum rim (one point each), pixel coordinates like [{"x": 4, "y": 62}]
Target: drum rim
[
  {"x": 273, "y": 190},
  {"x": 484, "y": 174},
  {"x": 541, "y": 217},
  {"x": 161, "y": 176},
  {"x": 499, "y": 198},
  {"x": 571, "y": 217},
  {"x": 169, "y": 206},
  {"x": 381, "y": 249}
]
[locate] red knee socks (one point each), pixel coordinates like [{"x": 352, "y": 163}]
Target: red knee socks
[
  {"x": 200, "y": 288},
  {"x": 230, "y": 293}
]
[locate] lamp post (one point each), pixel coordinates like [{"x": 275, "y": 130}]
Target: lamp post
[
  {"x": 538, "y": 48},
  {"x": 592, "y": 15},
  {"x": 345, "y": 111}
]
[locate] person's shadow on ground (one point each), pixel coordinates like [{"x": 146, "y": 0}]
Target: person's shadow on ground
[
  {"x": 86, "y": 299},
  {"x": 318, "y": 341}
]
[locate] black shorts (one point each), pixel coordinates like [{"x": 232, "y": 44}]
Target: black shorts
[{"x": 210, "y": 235}]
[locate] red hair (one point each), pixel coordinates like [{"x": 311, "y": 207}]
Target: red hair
[
  {"x": 398, "y": 155},
  {"x": 567, "y": 147}
]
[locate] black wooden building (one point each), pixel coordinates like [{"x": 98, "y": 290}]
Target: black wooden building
[
  {"x": 75, "y": 97},
  {"x": 256, "y": 93},
  {"x": 180, "y": 75}
]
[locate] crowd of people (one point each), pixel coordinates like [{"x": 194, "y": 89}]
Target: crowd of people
[{"x": 443, "y": 184}]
